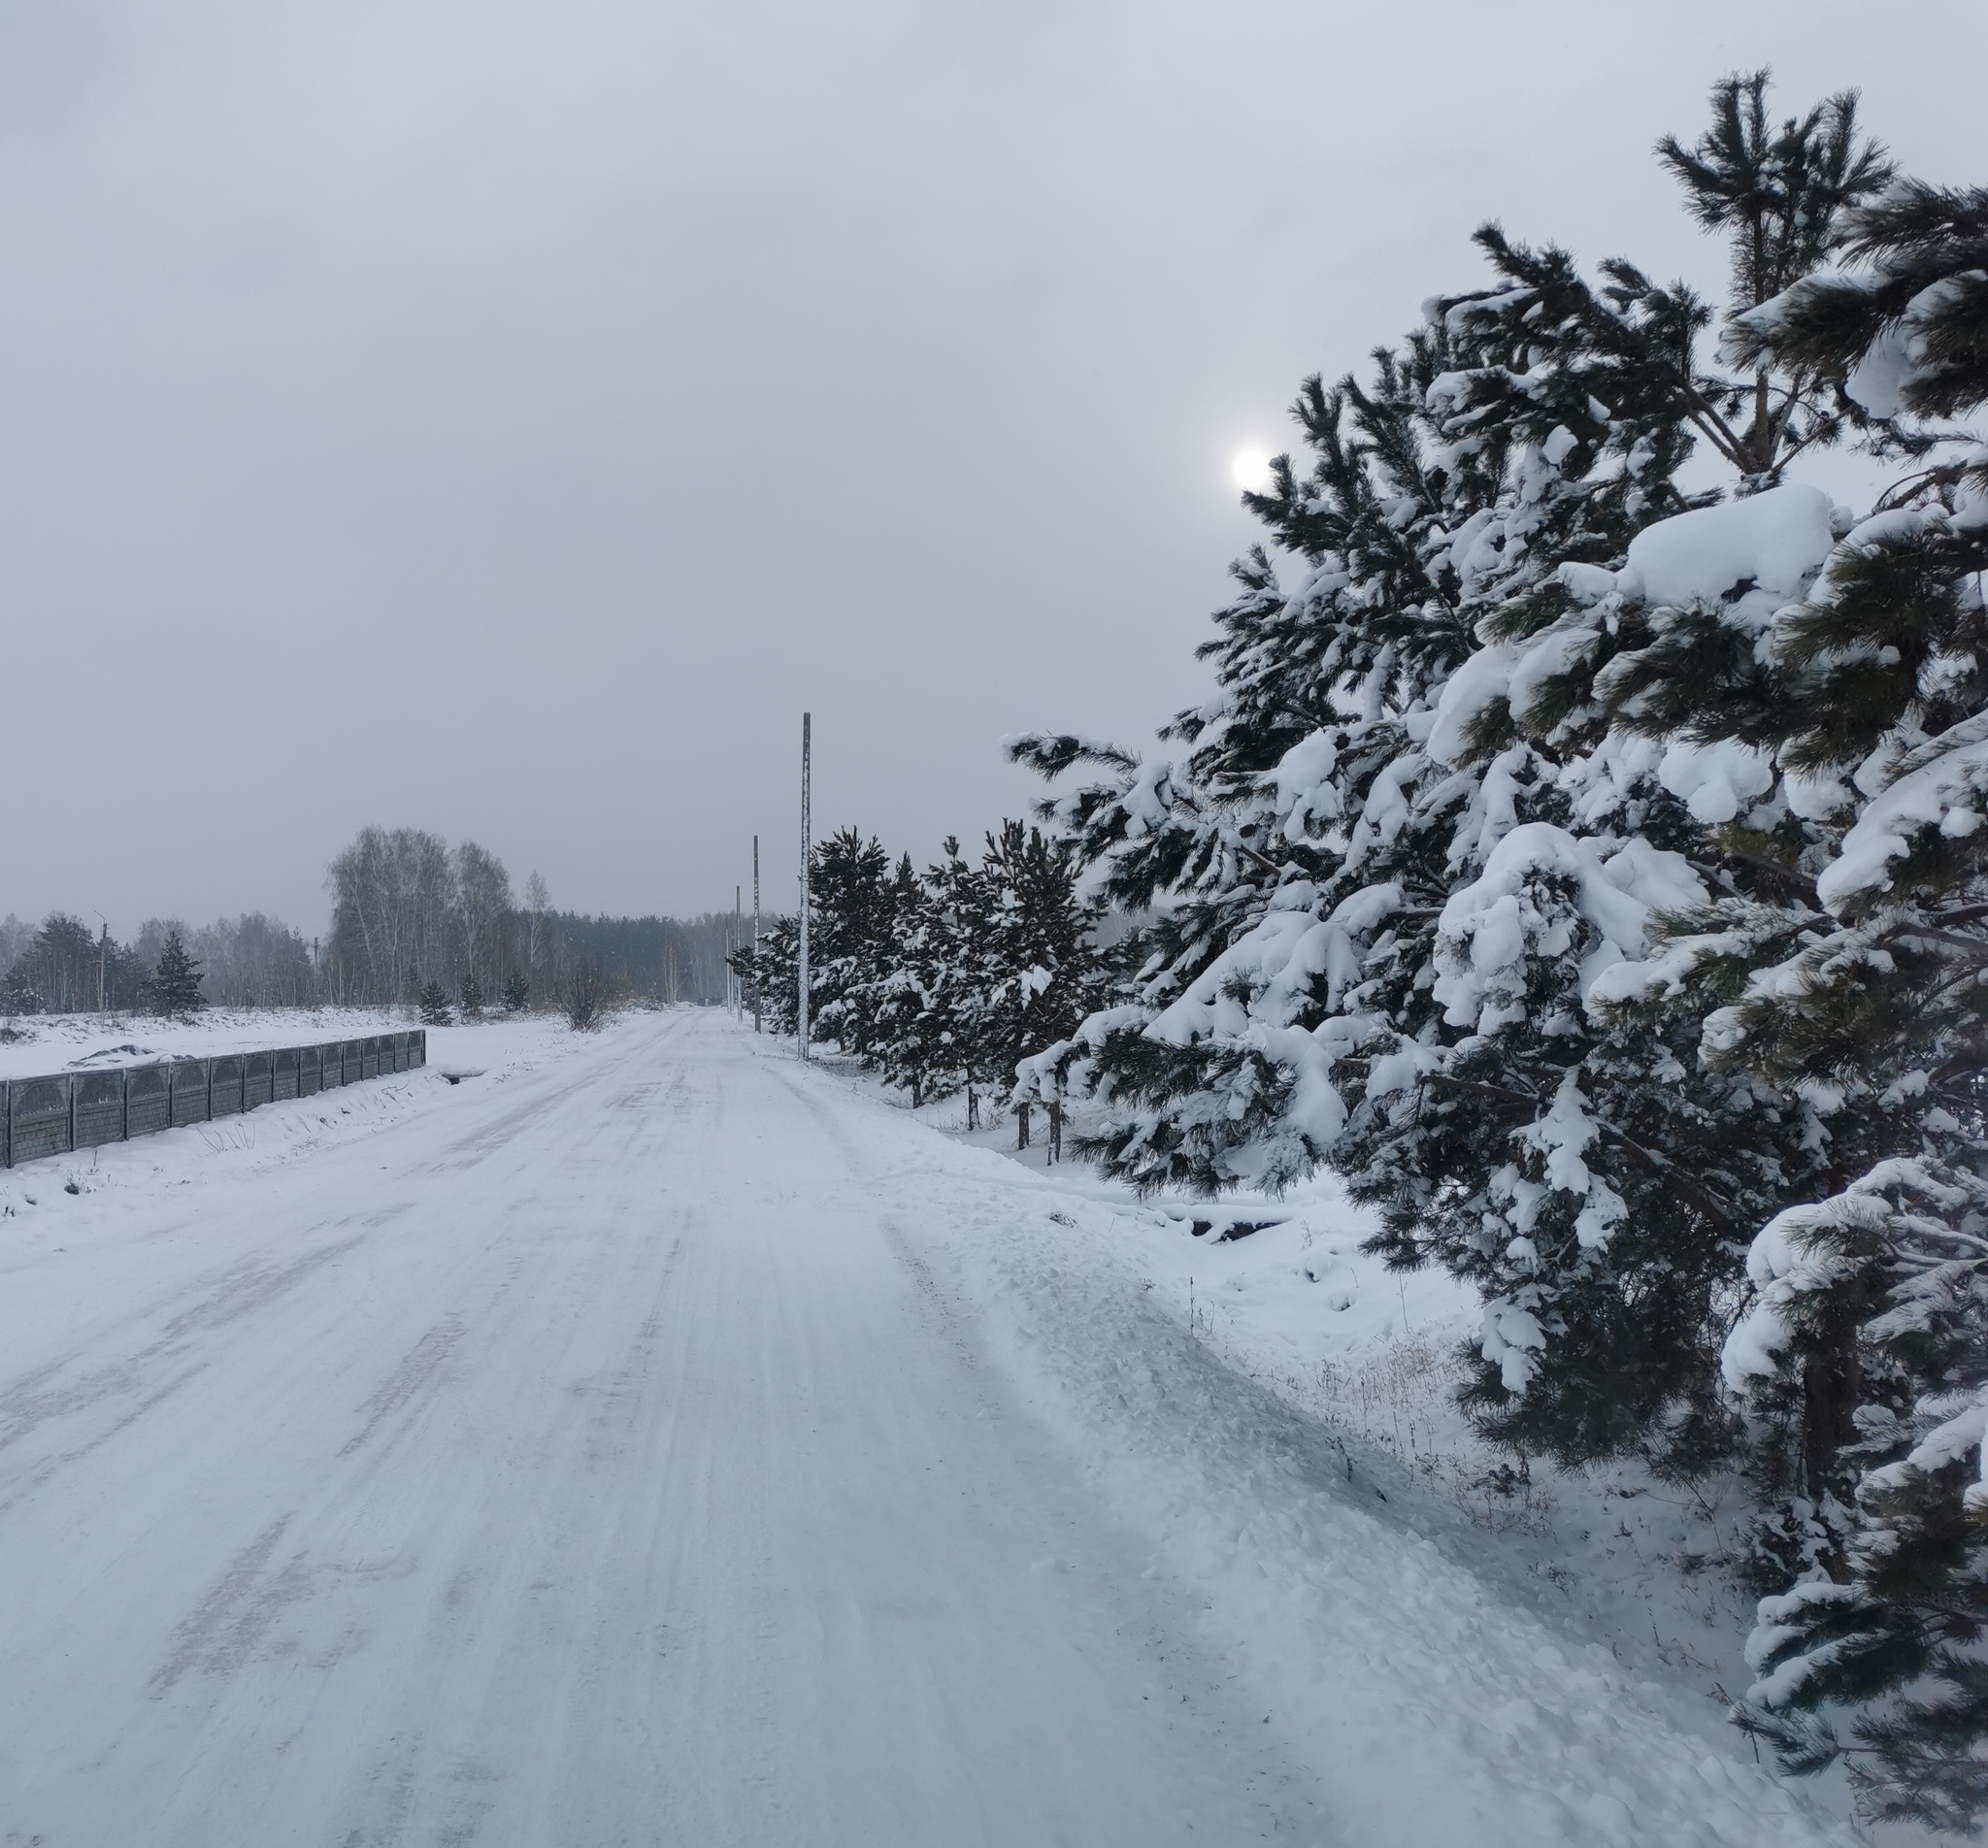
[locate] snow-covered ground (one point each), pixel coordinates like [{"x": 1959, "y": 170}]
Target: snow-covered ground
[
  {"x": 1298, "y": 1308},
  {"x": 649, "y": 1439},
  {"x": 31, "y": 1045}
]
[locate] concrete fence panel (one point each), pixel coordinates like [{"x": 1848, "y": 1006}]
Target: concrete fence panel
[
  {"x": 189, "y": 1092},
  {"x": 38, "y": 1118},
  {"x": 99, "y": 1109},
  {"x": 85, "y": 1110},
  {"x": 259, "y": 1079},
  {"x": 224, "y": 1086},
  {"x": 148, "y": 1099}
]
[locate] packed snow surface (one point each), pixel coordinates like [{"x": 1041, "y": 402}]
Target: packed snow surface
[{"x": 654, "y": 1440}]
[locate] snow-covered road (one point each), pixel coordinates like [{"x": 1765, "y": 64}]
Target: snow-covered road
[{"x": 632, "y": 1453}]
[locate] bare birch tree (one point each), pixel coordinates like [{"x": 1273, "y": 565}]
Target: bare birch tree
[
  {"x": 392, "y": 914},
  {"x": 537, "y": 901},
  {"x": 483, "y": 907}
]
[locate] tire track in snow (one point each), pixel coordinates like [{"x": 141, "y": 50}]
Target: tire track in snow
[
  {"x": 414, "y": 1374},
  {"x": 144, "y": 1380},
  {"x": 234, "y": 1614}
]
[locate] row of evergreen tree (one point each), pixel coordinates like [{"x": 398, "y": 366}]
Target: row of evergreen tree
[
  {"x": 1584, "y": 855},
  {"x": 61, "y": 965},
  {"x": 945, "y": 980}
]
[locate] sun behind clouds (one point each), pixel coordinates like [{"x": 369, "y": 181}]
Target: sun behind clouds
[{"x": 1251, "y": 470}]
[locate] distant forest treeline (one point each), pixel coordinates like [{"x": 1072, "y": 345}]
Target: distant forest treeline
[{"x": 406, "y": 909}]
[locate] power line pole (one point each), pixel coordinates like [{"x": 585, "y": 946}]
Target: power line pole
[
  {"x": 755, "y": 934},
  {"x": 103, "y": 959},
  {"x": 807, "y": 853},
  {"x": 731, "y": 973}
]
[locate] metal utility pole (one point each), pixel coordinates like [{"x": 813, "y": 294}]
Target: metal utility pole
[
  {"x": 755, "y": 934},
  {"x": 103, "y": 959},
  {"x": 732, "y": 975},
  {"x": 806, "y": 854}
]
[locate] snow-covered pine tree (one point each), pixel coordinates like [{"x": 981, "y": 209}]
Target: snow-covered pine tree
[
  {"x": 1868, "y": 1324},
  {"x": 1582, "y": 1170},
  {"x": 1042, "y": 971},
  {"x": 770, "y": 972},
  {"x": 516, "y": 993},
  {"x": 1603, "y": 1242},
  {"x": 955, "y": 975},
  {"x": 1405, "y": 845},
  {"x": 173, "y": 989},
  {"x": 850, "y": 949},
  {"x": 433, "y": 1002},
  {"x": 1294, "y": 778},
  {"x": 983, "y": 963},
  {"x": 471, "y": 996},
  {"x": 19, "y": 994},
  {"x": 909, "y": 1050},
  {"x": 849, "y": 939}
]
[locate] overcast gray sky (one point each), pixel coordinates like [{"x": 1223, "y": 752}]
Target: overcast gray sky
[{"x": 503, "y": 417}]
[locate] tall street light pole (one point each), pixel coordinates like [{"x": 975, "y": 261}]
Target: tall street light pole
[{"x": 806, "y": 854}]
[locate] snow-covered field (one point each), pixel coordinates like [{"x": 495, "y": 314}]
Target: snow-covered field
[
  {"x": 32, "y": 1045},
  {"x": 652, "y": 1440}
]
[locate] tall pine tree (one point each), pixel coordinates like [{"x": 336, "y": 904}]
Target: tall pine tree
[
  {"x": 173, "y": 990},
  {"x": 850, "y": 937},
  {"x": 1042, "y": 970}
]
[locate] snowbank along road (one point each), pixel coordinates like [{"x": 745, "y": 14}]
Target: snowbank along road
[{"x": 668, "y": 1445}]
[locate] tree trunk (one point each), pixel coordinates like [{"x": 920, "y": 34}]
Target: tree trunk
[
  {"x": 1021, "y": 1120},
  {"x": 1055, "y": 1129}
]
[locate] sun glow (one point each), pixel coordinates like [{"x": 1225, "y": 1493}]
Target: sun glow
[{"x": 1251, "y": 470}]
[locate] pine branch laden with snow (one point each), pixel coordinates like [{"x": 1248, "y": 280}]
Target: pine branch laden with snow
[
  {"x": 1901, "y": 332},
  {"x": 1896, "y": 1636}
]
